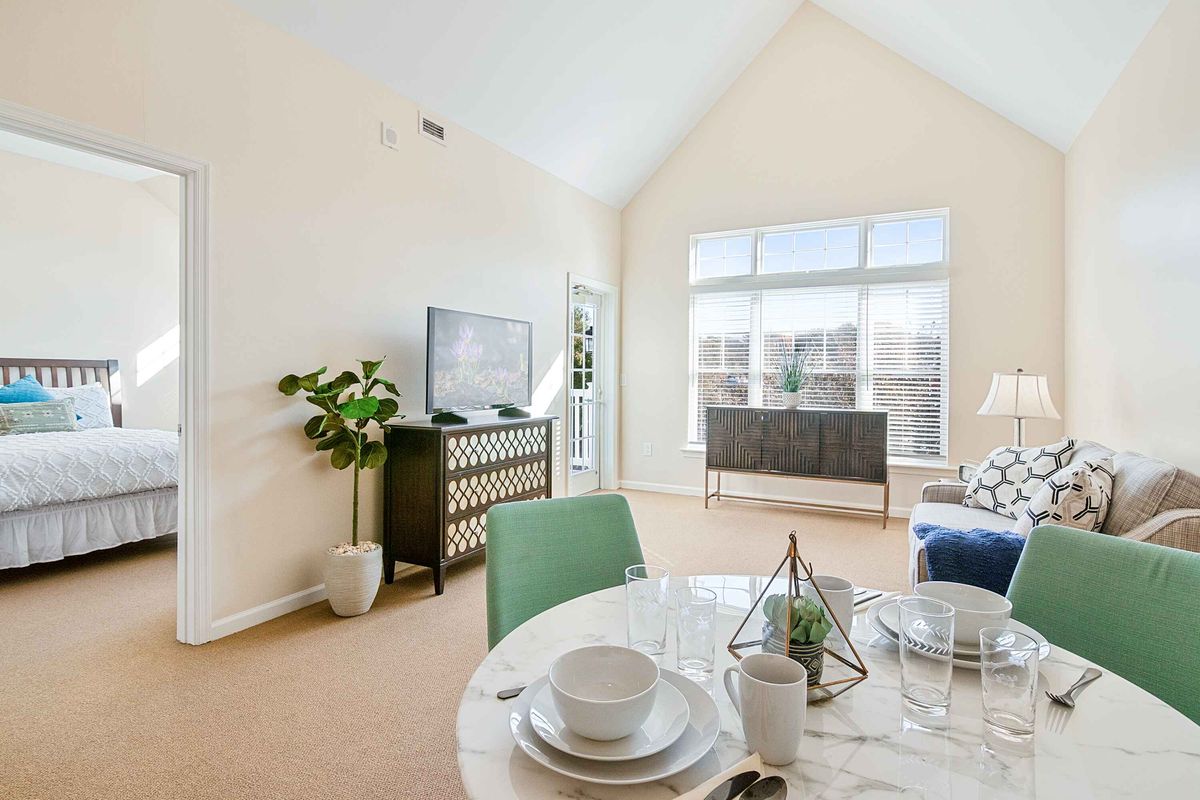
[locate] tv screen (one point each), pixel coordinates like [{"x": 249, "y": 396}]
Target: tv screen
[{"x": 475, "y": 361}]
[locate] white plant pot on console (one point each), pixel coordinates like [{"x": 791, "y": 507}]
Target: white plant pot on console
[
  {"x": 352, "y": 580},
  {"x": 791, "y": 399}
]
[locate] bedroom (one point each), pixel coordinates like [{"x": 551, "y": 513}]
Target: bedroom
[{"x": 89, "y": 364}]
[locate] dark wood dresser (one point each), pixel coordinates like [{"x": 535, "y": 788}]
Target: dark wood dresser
[
  {"x": 816, "y": 444},
  {"x": 439, "y": 481}
]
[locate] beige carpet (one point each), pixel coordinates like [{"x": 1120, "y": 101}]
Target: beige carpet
[{"x": 97, "y": 699}]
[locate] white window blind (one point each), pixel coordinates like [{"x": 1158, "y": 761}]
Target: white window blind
[{"x": 876, "y": 334}]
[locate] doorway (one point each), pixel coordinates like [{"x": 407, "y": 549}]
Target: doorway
[{"x": 591, "y": 374}]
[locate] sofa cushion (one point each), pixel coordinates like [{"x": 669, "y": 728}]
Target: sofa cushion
[
  {"x": 949, "y": 515},
  {"x": 1010, "y": 476},
  {"x": 1139, "y": 487},
  {"x": 1077, "y": 496}
]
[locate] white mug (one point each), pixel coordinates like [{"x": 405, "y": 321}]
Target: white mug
[
  {"x": 771, "y": 697},
  {"x": 839, "y": 599}
]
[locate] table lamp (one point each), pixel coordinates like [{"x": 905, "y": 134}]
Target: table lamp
[{"x": 1021, "y": 396}]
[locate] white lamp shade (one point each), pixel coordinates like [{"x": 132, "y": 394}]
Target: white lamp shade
[{"x": 1019, "y": 394}]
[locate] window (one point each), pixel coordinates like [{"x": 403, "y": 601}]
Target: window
[{"x": 867, "y": 299}]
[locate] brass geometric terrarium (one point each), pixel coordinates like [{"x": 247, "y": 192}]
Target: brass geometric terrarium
[{"x": 851, "y": 672}]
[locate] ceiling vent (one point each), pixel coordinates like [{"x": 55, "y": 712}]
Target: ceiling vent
[{"x": 430, "y": 129}]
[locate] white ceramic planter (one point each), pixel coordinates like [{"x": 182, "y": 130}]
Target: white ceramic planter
[
  {"x": 791, "y": 399},
  {"x": 352, "y": 581}
]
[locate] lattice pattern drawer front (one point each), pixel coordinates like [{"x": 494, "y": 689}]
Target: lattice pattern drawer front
[
  {"x": 470, "y": 533},
  {"x": 471, "y": 450},
  {"x": 480, "y": 490}
]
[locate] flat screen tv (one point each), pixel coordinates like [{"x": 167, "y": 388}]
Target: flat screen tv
[{"x": 475, "y": 362}]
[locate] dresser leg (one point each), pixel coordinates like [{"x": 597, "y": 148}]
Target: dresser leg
[
  {"x": 887, "y": 502},
  {"x": 389, "y": 569},
  {"x": 439, "y": 579}
]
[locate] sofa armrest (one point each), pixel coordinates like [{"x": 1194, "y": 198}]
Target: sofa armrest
[
  {"x": 1179, "y": 528},
  {"x": 944, "y": 492}
]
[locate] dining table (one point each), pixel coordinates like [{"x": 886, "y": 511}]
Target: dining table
[{"x": 1119, "y": 740}]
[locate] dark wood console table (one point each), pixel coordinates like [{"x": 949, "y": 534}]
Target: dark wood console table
[
  {"x": 814, "y": 444},
  {"x": 440, "y": 479}
]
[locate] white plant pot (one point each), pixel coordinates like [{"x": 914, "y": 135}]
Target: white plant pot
[
  {"x": 791, "y": 399},
  {"x": 352, "y": 581}
]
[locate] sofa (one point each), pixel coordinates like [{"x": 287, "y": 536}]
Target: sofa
[{"x": 1152, "y": 501}]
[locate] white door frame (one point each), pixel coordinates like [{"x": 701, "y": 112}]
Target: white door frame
[
  {"x": 194, "y": 583},
  {"x": 607, "y": 343}
]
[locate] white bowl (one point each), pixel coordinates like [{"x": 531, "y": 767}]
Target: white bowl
[
  {"x": 974, "y": 608},
  {"x": 603, "y": 692}
]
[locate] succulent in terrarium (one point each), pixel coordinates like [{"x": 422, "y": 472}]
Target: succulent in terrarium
[{"x": 809, "y": 624}]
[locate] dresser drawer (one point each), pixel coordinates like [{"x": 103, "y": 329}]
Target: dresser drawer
[
  {"x": 471, "y": 450},
  {"x": 474, "y": 491}
]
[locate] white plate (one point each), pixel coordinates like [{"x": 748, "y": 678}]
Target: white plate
[
  {"x": 704, "y": 723},
  {"x": 885, "y": 618},
  {"x": 666, "y": 723}
]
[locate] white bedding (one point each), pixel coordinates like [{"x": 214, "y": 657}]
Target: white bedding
[{"x": 40, "y": 469}]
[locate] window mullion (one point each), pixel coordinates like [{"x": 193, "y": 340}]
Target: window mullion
[
  {"x": 862, "y": 358},
  {"x": 755, "y": 393}
]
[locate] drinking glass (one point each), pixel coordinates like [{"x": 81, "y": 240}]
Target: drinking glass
[
  {"x": 1009, "y": 662},
  {"x": 695, "y": 630},
  {"x": 926, "y": 653},
  {"x": 646, "y": 596}
]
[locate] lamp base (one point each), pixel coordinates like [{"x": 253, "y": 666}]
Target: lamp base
[{"x": 1019, "y": 431}]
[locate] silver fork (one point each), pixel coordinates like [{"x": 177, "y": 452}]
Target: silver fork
[{"x": 1067, "y": 698}]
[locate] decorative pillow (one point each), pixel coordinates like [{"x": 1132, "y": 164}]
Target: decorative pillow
[
  {"x": 92, "y": 404},
  {"x": 26, "y": 390},
  {"x": 47, "y": 417},
  {"x": 1077, "y": 497},
  {"x": 1010, "y": 476}
]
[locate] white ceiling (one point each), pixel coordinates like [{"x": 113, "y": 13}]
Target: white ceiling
[
  {"x": 597, "y": 92},
  {"x": 1044, "y": 64},
  {"x": 70, "y": 157},
  {"x": 600, "y": 93}
]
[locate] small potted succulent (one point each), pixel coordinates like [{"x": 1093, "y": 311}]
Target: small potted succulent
[
  {"x": 794, "y": 372},
  {"x": 353, "y": 568},
  {"x": 805, "y": 641}
]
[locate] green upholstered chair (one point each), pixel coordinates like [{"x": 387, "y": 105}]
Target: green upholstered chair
[
  {"x": 544, "y": 552},
  {"x": 1129, "y": 606}
]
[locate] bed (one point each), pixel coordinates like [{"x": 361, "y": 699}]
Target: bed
[{"x": 73, "y": 492}]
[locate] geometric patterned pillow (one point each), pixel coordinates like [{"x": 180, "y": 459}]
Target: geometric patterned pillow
[
  {"x": 1010, "y": 476},
  {"x": 92, "y": 404},
  {"x": 47, "y": 417},
  {"x": 1077, "y": 497}
]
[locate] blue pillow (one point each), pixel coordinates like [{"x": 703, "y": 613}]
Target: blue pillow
[{"x": 26, "y": 390}]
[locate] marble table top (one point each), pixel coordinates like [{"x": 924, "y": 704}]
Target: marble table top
[{"x": 1120, "y": 741}]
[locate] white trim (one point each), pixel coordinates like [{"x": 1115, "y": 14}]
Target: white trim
[
  {"x": 267, "y": 611},
  {"x": 696, "y": 491},
  {"x": 194, "y": 602},
  {"x": 609, "y": 320}
]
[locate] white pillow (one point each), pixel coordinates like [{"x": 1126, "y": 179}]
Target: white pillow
[
  {"x": 92, "y": 404},
  {"x": 1010, "y": 476},
  {"x": 1077, "y": 497}
]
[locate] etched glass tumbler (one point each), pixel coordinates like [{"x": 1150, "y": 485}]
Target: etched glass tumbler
[
  {"x": 646, "y": 598},
  {"x": 695, "y": 630},
  {"x": 1009, "y": 662},
  {"x": 926, "y": 654}
]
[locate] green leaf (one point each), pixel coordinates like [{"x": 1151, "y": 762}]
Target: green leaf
[
  {"x": 370, "y": 367},
  {"x": 289, "y": 384},
  {"x": 315, "y": 427},
  {"x": 309, "y": 382},
  {"x": 386, "y": 384},
  {"x": 344, "y": 381},
  {"x": 342, "y": 456},
  {"x": 362, "y": 408},
  {"x": 387, "y": 409},
  {"x": 325, "y": 402},
  {"x": 373, "y": 455},
  {"x": 337, "y": 439}
]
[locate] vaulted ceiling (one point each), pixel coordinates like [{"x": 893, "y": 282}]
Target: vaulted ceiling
[{"x": 600, "y": 93}]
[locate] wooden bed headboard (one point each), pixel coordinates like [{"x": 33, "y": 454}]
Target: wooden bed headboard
[{"x": 64, "y": 373}]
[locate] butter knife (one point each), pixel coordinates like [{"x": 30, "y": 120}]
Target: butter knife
[{"x": 727, "y": 790}]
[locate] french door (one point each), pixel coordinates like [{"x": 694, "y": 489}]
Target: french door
[{"x": 585, "y": 393}]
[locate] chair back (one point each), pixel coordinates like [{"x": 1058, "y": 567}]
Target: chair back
[
  {"x": 1128, "y": 606},
  {"x": 544, "y": 552}
]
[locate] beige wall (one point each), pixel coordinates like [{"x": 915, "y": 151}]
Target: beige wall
[
  {"x": 1133, "y": 242},
  {"x": 91, "y": 270},
  {"x": 326, "y": 246},
  {"x": 826, "y": 123}
]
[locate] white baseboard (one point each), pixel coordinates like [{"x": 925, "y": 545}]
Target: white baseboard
[
  {"x": 696, "y": 491},
  {"x": 267, "y": 611}
]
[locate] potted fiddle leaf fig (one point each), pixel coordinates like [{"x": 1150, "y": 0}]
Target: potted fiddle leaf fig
[
  {"x": 805, "y": 637},
  {"x": 794, "y": 372},
  {"x": 352, "y": 569}
]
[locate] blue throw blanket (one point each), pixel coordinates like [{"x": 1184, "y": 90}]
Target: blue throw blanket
[{"x": 979, "y": 557}]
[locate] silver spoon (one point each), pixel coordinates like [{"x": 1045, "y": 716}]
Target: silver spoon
[{"x": 1067, "y": 698}]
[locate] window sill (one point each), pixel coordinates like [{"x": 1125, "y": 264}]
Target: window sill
[{"x": 908, "y": 465}]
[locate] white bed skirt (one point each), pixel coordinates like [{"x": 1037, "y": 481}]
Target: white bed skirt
[{"x": 51, "y": 533}]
